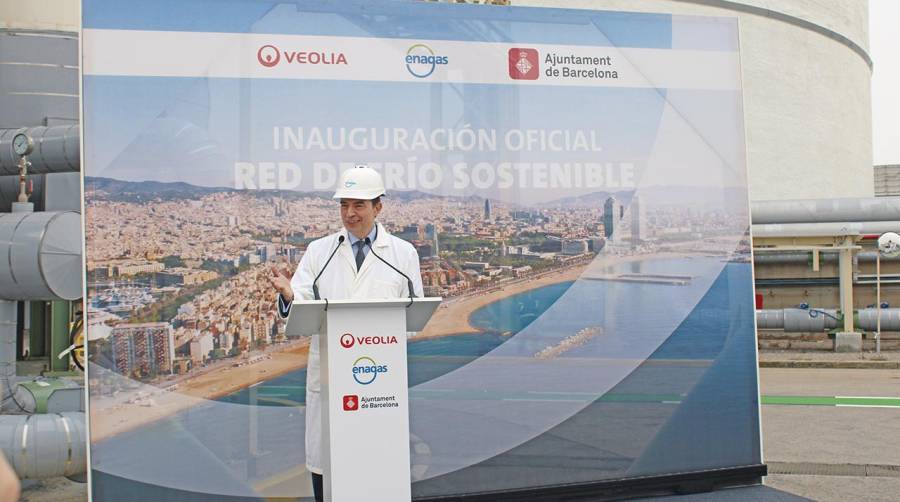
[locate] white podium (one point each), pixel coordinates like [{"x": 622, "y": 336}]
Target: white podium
[{"x": 365, "y": 392}]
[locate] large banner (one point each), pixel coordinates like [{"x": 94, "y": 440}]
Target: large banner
[{"x": 574, "y": 183}]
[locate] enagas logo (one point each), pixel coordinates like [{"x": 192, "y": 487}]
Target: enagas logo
[
  {"x": 268, "y": 55},
  {"x": 421, "y": 60},
  {"x": 348, "y": 340},
  {"x": 365, "y": 370},
  {"x": 524, "y": 64}
]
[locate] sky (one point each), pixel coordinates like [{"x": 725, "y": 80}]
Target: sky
[{"x": 884, "y": 48}]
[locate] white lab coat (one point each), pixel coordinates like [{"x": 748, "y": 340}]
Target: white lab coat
[{"x": 341, "y": 281}]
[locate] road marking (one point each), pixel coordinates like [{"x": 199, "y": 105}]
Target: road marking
[{"x": 855, "y": 401}]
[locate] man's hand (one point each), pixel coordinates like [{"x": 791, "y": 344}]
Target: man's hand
[
  {"x": 281, "y": 281},
  {"x": 9, "y": 482}
]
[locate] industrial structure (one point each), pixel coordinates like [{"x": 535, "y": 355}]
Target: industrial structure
[
  {"x": 42, "y": 426},
  {"x": 822, "y": 255},
  {"x": 887, "y": 180},
  {"x": 806, "y": 78}
]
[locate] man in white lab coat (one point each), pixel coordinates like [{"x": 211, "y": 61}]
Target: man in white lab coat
[{"x": 353, "y": 272}]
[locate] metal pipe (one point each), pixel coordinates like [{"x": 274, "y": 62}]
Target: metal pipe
[
  {"x": 829, "y": 229},
  {"x": 877, "y": 304},
  {"x": 825, "y": 256},
  {"x": 796, "y": 319},
  {"x": 867, "y": 209},
  {"x": 48, "y": 395},
  {"x": 44, "y": 446},
  {"x": 56, "y": 150},
  {"x": 23, "y": 179},
  {"x": 36, "y": 446},
  {"x": 770, "y": 319},
  {"x": 40, "y": 256},
  {"x": 813, "y": 319},
  {"x": 8, "y": 315},
  {"x": 889, "y": 319}
]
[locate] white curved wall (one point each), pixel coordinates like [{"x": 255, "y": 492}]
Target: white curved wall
[
  {"x": 50, "y": 15},
  {"x": 806, "y": 95}
]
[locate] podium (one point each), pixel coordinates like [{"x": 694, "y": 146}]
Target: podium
[{"x": 364, "y": 391}]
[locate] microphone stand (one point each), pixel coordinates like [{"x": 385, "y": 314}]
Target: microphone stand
[{"x": 315, "y": 288}]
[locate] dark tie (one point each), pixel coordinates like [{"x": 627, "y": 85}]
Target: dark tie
[{"x": 360, "y": 256}]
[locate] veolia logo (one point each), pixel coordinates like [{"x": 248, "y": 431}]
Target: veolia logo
[
  {"x": 365, "y": 371},
  {"x": 347, "y": 340},
  {"x": 421, "y": 60},
  {"x": 268, "y": 55}
]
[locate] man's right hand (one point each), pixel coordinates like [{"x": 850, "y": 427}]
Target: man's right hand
[{"x": 281, "y": 281}]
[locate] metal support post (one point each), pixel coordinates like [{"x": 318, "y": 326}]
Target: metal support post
[
  {"x": 59, "y": 335},
  {"x": 878, "y": 302},
  {"x": 845, "y": 265},
  {"x": 847, "y": 340},
  {"x": 37, "y": 334}
]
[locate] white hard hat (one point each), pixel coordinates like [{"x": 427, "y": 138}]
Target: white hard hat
[{"x": 361, "y": 182}]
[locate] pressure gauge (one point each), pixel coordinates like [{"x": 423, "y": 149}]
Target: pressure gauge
[{"x": 22, "y": 144}]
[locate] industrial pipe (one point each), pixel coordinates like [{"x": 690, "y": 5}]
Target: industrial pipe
[
  {"x": 49, "y": 395},
  {"x": 826, "y": 210},
  {"x": 825, "y": 256},
  {"x": 7, "y": 350},
  {"x": 829, "y": 229},
  {"x": 40, "y": 256},
  {"x": 890, "y": 319},
  {"x": 56, "y": 150},
  {"x": 45, "y": 446},
  {"x": 812, "y": 319},
  {"x": 797, "y": 319}
]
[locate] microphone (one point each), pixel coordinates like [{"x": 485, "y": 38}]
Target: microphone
[
  {"x": 316, "y": 288},
  {"x": 409, "y": 285}
]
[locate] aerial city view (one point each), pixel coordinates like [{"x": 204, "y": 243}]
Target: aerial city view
[{"x": 179, "y": 299}]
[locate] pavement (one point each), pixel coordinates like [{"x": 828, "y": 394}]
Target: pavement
[
  {"x": 828, "y": 450},
  {"x": 834, "y": 360},
  {"x": 831, "y": 432}
]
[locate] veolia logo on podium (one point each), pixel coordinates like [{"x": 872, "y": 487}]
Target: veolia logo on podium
[{"x": 348, "y": 340}]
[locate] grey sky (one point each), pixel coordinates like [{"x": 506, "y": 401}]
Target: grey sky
[{"x": 885, "y": 42}]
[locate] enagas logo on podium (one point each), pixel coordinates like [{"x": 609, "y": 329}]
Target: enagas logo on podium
[
  {"x": 348, "y": 340},
  {"x": 365, "y": 370}
]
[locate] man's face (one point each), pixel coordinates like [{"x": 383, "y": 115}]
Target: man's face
[{"x": 358, "y": 216}]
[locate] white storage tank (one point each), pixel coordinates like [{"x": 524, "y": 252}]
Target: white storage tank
[{"x": 807, "y": 96}]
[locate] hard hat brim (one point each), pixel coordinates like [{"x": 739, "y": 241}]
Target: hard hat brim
[{"x": 349, "y": 193}]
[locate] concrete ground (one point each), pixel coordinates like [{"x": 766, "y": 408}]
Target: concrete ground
[
  {"x": 849, "y": 453},
  {"x": 53, "y": 490}
]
